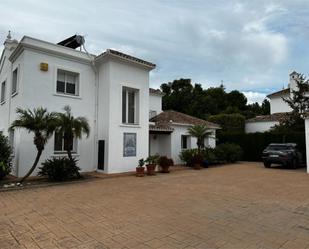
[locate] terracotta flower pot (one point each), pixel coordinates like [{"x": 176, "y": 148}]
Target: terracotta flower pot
[
  {"x": 140, "y": 171},
  {"x": 165, "y": 169},
  {"x": 151, "y": 169},
  {"x": 197, "y": 166}
]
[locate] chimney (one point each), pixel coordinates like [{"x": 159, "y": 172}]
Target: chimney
[
  {"x": 9, "y": 43},
  {"x": 294, "y": 76}
]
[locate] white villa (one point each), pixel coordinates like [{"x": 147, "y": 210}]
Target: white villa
[
  {"x": 278, "y": 107},
  {"x": 110, "y": 89}
]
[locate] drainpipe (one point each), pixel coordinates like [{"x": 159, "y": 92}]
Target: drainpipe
[
  {"x": 96, "y": 100},
  {"x": 96, "y": 112}
]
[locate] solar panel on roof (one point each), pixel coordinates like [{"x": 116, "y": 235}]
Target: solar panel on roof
[{"x": 74, "y": 41}]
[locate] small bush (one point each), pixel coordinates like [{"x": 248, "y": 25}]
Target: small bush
[
  {"x": 5, "y": 156},
  {"x": 198, "y": 159},
  {"x": 5, "y": 169},
  {"x": 60, "y": 169},
  {"x": 228, "y": 152},
  {"x": 153, "y": 159},
  {"x": 187, "y": 156},
  {"x": 164, "y": 161},
  {"x": 223, "y": 153}
]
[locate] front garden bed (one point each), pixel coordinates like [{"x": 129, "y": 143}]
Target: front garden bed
[{"x": 10, "y": 182}]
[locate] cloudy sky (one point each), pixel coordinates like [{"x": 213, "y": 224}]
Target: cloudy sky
[{"x": 249, "y": 45}]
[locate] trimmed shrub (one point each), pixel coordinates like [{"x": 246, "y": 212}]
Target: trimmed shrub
[
  {"x": 223, "y": 153},
  {"x": 5, "y": 156},
  {"x": 228, "y": 153},
  {"x": 60, "y": 169},
  {"x": 229, "y": 122}
]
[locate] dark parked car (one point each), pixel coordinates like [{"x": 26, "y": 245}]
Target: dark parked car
[{"x": 286, "y": 154}]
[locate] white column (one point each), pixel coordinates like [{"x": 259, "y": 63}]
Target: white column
[{"x": 307, "y": 141}]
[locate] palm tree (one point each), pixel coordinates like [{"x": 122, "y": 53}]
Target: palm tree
[
  {"x": 71, "y": 127},
  {"x": 41, "y": 123},
  {"x": 200, "y": 132}
]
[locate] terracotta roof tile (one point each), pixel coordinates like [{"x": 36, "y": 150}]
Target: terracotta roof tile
[
  {"x": 160, "y": 127},
  {"x": 266, "y": 118},
  {"x": 167, "y": 117},
  {"x": 127, "y": 57},
  {"x": 281, "y": 92},
  {"x": 155, "y": 91}
]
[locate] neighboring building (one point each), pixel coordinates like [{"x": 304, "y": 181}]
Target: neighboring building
[
  {"x": 155, "y": 102},
  {"x": 278, "y": 107},
  {"x": 111, "y": 90},
  {"x": 169, "y": 134},
  {"x": 263, "y": 123}
]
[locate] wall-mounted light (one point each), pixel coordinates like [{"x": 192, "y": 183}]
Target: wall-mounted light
[{"x": 44, "y": 66}]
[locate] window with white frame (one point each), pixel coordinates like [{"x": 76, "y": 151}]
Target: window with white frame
[
  {"x": 14, "y": 81},
  {"x": 184, "y": 142},
  {"x": 3, "y": 90},
  {"x": 67, "y": 83},
  {"x": 60, "y": 146},
  {"x": 130, "y": 100}
]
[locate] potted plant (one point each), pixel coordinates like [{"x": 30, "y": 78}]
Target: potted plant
[
  {"x": 197, "y": 161},
  {"x": 152, "y": 164},
  {"x": 165, "y": 164},
  {"x": 140, "y": 169},
  {"x": 4, "y": 170}
]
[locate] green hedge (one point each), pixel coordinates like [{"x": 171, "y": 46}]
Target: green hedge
[{"x": 253, "y": 144}]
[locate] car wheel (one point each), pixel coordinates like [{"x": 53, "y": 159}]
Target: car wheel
[
  {"x": 267, "y": 164},
  {"x": 294, "y": 163}
]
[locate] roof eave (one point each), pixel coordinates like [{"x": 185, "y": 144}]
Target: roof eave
[
  {"x": 22, "y": 46},
  {"x": 107, "y": 54}
]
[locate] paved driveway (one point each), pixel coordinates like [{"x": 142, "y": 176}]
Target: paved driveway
[{"x": 232, "y": 206}]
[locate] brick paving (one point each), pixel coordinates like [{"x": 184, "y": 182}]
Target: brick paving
[{"x": 233, "y": 206}]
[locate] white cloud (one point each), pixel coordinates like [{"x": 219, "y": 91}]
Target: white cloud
[
  {"x": 255, "y": 97},
  {"x": 237, "y": 41}
]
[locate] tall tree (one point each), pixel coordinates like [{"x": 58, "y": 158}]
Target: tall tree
[
  {"x": 181, "y": 95},
  {"x": 237, "y": 99},
  {"x": 70, "y": 127},
  {"x": 265, "y": 108},
  {"x": 40, "y": 122}
]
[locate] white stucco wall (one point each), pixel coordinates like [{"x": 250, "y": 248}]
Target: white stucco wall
[
  {"x": 170, "y": 144},
  {"x": 124, "y": 74},
  {"x": 278, "y": 105},
  {"x": 251, "y": 127},
  {"x": 160, "y": 144},
  {"x": 38, "y": 88},
  {"x": 155, "y": 103},
  {"x": 180, "y": 130}
]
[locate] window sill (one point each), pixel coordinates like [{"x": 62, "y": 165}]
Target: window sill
[
  {"x": 67, "y": 96},
  {"x": 62, "y": 154},
  {"x": 130, "y": 125},
  {"x": 14, "y": 94}
]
